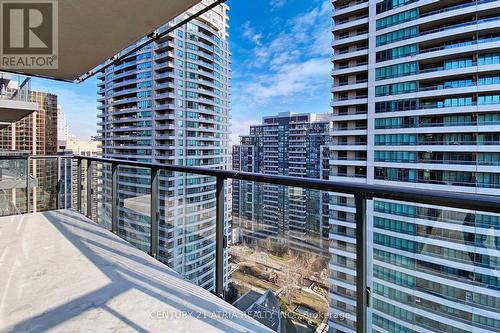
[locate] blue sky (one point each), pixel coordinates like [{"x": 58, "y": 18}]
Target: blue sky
[{"x": 281, "y": 62}]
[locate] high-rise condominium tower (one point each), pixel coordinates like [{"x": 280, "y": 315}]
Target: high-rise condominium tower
[
  {"x": 287, "y": 144},
  {"x": 416, "y": 103},
  {"x": 62, "y": 126},
  {"x": 169, "y": 103}
]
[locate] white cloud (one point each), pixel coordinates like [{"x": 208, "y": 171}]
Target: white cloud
[
  {"x": 291, "y": 80},
  {"x": 241, "y": 126},
  {"x": 295, "y": 61},
  {"x": 307, "y": 34},
  {"x": 249, "y": 33},
  {"x": 286, "y": 70},
  {"x": 312, "y": 17},
  {"x": 276, "y": 4}
]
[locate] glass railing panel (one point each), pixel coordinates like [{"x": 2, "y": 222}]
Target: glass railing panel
[
  {"x": 134, "y": 200},
  {"x": 433, "y": 267},
  {"x": 186, "y": 228},
  {"x": 82, "y": 191},
  {"x": 279, "y": 260},
  {"x": 13, "y": 184},
  {"x": 44, "y": 193},
  {"x": 101, "y": 196},
  {"x": 67, "y": 183}
]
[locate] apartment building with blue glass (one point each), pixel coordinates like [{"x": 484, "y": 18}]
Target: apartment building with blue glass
[
  {"x": 288, "y": 144},
  {"x": 416, "y": 103},
  {"x": 168, "y": 103}
]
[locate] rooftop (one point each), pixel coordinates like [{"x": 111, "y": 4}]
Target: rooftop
[{"x": 62, "y": 272}]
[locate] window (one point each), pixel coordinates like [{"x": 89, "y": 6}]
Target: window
[
  {"x": 395, "y": 208},
  {"x": 398, "y": 52},
  {"x": 396, "y": 122},
  {"x": 457, "y": 63},
  {"x": 192, "y": 56},
  {"x": 386, "y": 5},
  {"x": 395, "y": 139},
  {"x": 488, "y": 99},
  {"x": 192, "y": 76},
  {"x": 192, "y": 105},
  {"x": 488, "y": 79},
  {"x": 454, "y": 101},
  {"x": 190, "y": 94},
  {"x": 394, "y": 106},
  {"x": 144, "y": 94},
  {"x": 192, "y": 66},
  {"x": 344, "y": 50},
  {"x": 396, "y": 88},
  {"x": 145, "y": 84},
  {"x": 394, "y": 225},
  {"x": 146, "y": 55},
  {"x": 143, "y": 104},
  {"x": 191, "y": 46},
  {"x": 343, "y": 80},
  {"x": 396, "y": 156},
  {"x": 397, "y": 35},
  {"x": 191, "y": 27},
  {"x": 144, "y": 75},
  {"x": 191, "y": 85},
  {"x": 488, "y": 59},
  {"x": 404, "y": 69},
  {"x": 396, "y": 174},
  {"x": 144, "y": 65},
  {"x": 398, "y": 18}
]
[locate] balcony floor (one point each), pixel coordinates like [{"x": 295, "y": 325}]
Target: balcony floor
[{"x": 61, "y": 272}]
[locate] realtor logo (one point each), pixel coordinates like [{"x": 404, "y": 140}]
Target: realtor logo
[{"x": 29, "y": 34}]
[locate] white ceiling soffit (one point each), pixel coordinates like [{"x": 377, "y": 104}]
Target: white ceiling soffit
[{"x": 92, "y": 31}]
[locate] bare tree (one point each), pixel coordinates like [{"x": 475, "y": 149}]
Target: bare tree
[
  {"x": 268, "y": 245},
  {"x": 290, "y": 279}
]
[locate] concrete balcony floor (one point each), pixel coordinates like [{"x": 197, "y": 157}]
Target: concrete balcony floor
[{"x": 61, "y": 272}]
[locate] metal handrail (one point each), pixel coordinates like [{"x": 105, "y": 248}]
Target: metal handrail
[
  {"x": 459, "y": 25},
  {"x": 361, "y": 192},
  {"x": 464, "y": 5},
  {"x": 443, "y": 198}
]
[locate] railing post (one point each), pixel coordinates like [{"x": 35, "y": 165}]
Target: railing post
[
  {"x": 362, "y": 295},
  {"x": 58, "y": 186},
  {"x": 219, "y": 238},
  {"x": 79, "y": 185},
  {"x": 114, "y": 198},
  {"x": 155, "y": 215},
  {"x": 27, "y": 185},
  {"x": 89, "y": 189}
]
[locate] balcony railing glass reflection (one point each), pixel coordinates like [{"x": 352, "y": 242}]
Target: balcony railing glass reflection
[{"x": 283, "y": 252}]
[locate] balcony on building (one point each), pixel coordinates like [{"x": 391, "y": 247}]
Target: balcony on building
[
  {"x": 15, "y": 101},
  {"x": 61, "y": 271}
]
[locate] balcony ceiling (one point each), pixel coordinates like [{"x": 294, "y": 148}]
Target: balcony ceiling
[
  {"x": 61, "y": 272},
  {"x": 92, "y": 31}
]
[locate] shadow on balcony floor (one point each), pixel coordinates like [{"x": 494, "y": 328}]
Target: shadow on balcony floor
[{"x": 60, "y": 271}]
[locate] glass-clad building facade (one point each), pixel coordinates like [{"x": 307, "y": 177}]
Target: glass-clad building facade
[
  {"x": 286, "y": 144},
  {"x": 168, "y": 103},
  {"x": 416, "y": 104}
]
